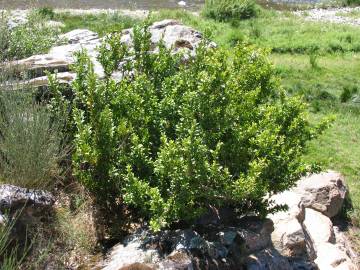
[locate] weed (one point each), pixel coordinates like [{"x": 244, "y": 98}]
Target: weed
[
  {"x": 313, "y": 60},
  {"x": 30, "y": 143},
  {"x": 348, "y": 92}
]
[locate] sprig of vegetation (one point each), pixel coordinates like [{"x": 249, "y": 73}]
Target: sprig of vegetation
[{"x": 30, "y": 142}]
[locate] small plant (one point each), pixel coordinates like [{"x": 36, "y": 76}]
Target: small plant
[
  {"x": 227, "y": 10},
  {"x": 313, "y": 59},
  {"x": 30, "y": 142},
  {"x": 347, "y": 93},
  {"x": 45, "y": 13}
]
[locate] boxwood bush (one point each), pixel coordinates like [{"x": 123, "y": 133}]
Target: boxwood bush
[
  {"x": 227, "y": 10},
  {"x": 173, "y": 136}
]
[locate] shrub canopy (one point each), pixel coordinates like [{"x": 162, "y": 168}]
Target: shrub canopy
[
  {"x": 174, "y": 136},
  {"x": 225, "y": 10}
]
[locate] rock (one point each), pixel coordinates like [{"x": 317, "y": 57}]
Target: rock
[
  {"x": 344, "y": 244},
  {"x": 131, "y": 253},
  {"x": 174, "y": 35},
  {"x": 136, "y": 266},
  {"x": 288, "y": 236},
  {"x": 23, "y": 208},
  {"x": 267, "y": 259},
  {"x": 256, "y": 234},
  {"x": 79, "y": 36},
  {"x": 329, "y": 256},
  {"x": 324, "y": 192},
  {"x": 304, "y": 233},
  {"x": 293, "y": 239},
  {"x": 14, "y": 198},
  {"x": 319, "y": 227},
  {"x": 178, "y": 260},
  {"x": 215, "y": 247}
]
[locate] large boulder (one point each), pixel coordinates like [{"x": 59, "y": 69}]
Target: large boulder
[{"x": 304, "y": 233}]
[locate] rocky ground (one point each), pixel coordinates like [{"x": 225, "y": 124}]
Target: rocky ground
[
  {"x": 301, "y": 238},
  {"x": 333, "y": 15}
]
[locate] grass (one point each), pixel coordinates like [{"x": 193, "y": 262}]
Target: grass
[
  {"x": 280, "y": 32},
  {"x": 339, "y": 147},
  {"x": 101, "y": 23}
]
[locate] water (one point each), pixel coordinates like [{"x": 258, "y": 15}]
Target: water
[{"x": 87, "y": 4}]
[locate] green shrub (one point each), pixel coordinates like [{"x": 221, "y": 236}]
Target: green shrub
[
  {"x": 313, "y": 60},
  {"x": 30, "y": 142},
  {"x": 23, "y": 40},
  {"x": 45, "y": 12},
  {"x": 225, "y": 10},
  {"x": 173, "y": 136}
]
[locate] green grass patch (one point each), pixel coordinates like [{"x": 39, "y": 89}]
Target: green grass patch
[
  {"x": 281, "y": 32},
  {"x": 101, "y": 23},
  {"x": 339, "y": 147}
]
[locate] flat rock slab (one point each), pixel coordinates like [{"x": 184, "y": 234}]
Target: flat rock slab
[{"x": 174, "y": 34}]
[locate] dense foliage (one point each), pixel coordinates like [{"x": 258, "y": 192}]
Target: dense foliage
[
  {"x": 225, "y": 10},
  {"x": 174, "y": 135}
]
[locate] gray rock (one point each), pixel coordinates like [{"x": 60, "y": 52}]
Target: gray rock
[
  {"x": 288, "y": 236},
  {"x": 177, "y": 260},
  {"x": 267, "y": 259},
  {"x": 324, "y": 192},
  {"x": 13, "y": 198},
  {"x": 219, "y": 247},
  {"x": 256, "y": 234},
  {"x": 329, "y": 257},
  {"x": 319, "y": 227},
  {"x": 23, "y": 208}
]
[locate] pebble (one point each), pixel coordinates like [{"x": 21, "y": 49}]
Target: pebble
[{"x": 330, "y": 15}]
